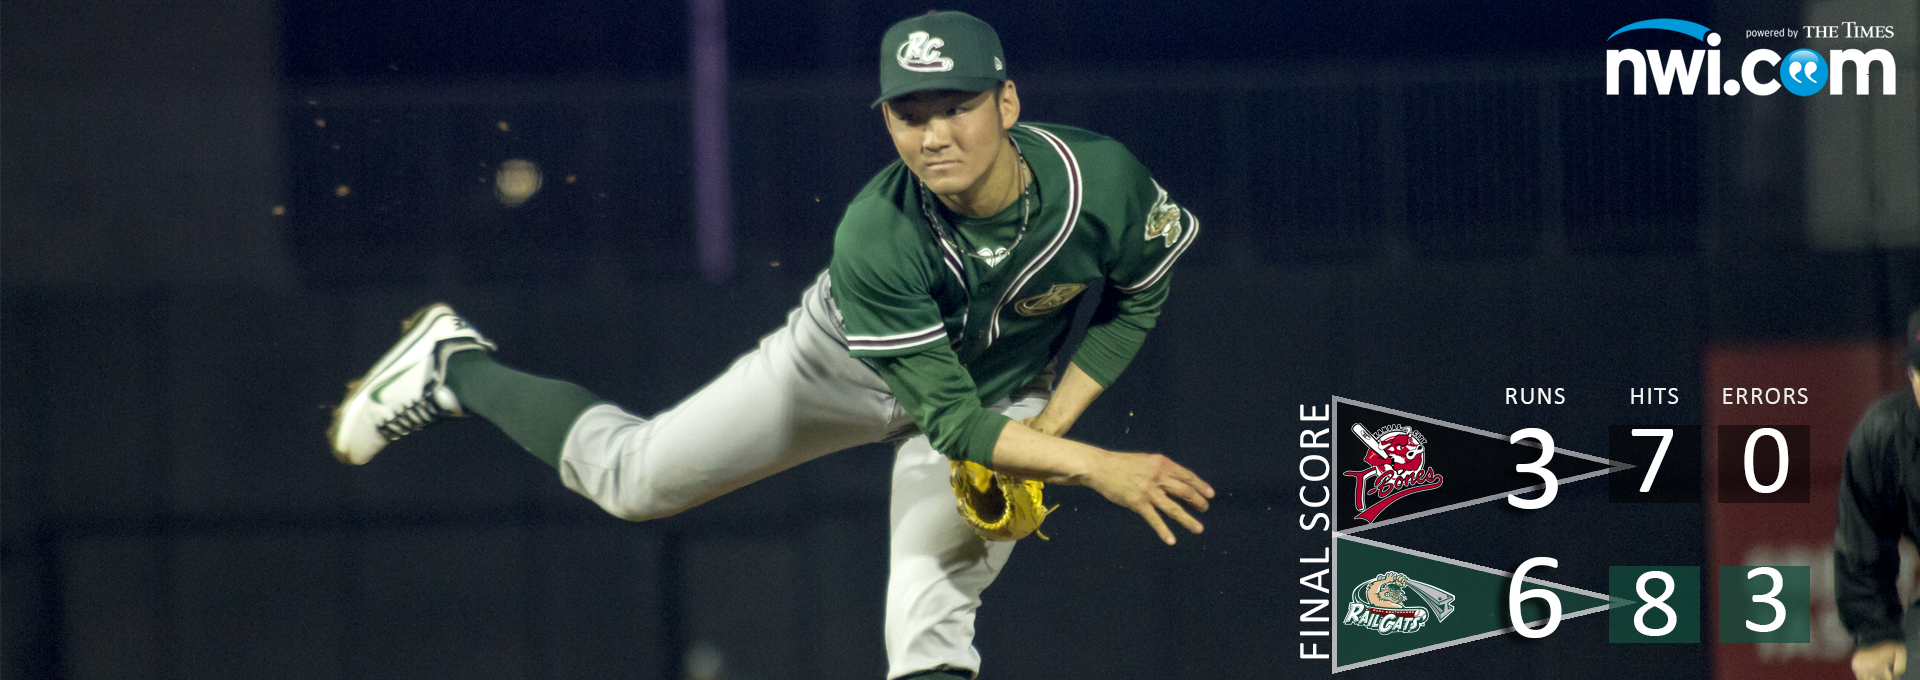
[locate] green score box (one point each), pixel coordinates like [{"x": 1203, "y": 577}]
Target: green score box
[
  {"x": 1766, "y": 604},
  {"x": 1666, "y": 604}
]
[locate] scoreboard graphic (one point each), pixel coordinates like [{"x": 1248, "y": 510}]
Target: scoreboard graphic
[
  {"x": 1404, "y": 491},
  {"x": 1397, "y": 468}
]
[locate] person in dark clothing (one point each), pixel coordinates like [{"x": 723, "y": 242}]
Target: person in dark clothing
[{"x": 1879, "y": 503}]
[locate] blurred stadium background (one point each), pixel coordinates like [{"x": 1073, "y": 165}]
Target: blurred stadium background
[{"x": 215, "y": 213}]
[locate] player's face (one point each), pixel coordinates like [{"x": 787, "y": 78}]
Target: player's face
[
  {"x": 1914, "y": 376},
  {"x": 952, "y": 140}
]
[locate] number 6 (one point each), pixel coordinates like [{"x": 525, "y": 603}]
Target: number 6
[{"x": 1515, "y": 596}]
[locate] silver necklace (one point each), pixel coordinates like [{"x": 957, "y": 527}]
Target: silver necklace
[{"x": 993, "y": 256}]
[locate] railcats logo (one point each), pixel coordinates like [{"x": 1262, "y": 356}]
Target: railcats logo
[
  {"x": 1397, "y": 460},
  {"x": 921, "y": 53},
  {"x": 1803, "y": 72},
  {"x": 1381, "y": 604},
  {"x": 1163, "y": 219},
  {"x": 1051, "y": 300}
]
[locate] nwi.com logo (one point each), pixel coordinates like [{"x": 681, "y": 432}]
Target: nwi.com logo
[{"x": 1803, "y": 72}]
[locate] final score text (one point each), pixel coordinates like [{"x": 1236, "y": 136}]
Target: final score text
[{"x": 1315, "y": 470}]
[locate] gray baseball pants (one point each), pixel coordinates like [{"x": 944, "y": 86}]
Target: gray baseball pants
[{"x": 797, "y": 397}]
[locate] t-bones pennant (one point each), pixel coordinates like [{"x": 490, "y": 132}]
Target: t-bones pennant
[{"x": 1396, "y": 466}]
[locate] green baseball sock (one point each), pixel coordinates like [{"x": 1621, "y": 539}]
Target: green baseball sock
[{"x": 535, "y": 412}]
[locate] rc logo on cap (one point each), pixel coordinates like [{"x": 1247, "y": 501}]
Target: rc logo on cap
[{"x": 921, "y": 53}]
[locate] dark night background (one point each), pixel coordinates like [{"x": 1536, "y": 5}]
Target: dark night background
[
  {"x": 487, "y": 38},
  {"x": 215, "y": 213}
]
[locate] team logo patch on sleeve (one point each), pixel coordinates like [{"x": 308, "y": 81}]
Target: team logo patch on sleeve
[
  {"x": 1051, "y": 300},
  {"x": 1163, "y": 219}
]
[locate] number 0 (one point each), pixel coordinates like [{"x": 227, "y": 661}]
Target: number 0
[
  {"x": 1779, "y": 480},
  {"x": 1538, "y": 467}
]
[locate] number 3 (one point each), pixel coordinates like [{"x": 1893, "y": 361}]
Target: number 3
[
  {"x": 1779, "y": 609},
  {"x": 1538, "y": 467}
]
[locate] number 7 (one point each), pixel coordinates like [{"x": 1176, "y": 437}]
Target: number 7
[{"x": 1666, "y": 437}]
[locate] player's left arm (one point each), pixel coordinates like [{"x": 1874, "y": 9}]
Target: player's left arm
[
  {"x": 1071, "y": 397},
  {"x": 1114, "y": 336},
  {"x": 1150, "y": 235}
]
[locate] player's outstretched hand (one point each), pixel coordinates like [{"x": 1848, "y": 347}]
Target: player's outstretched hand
[
  {"x": 1148, "y": 484},
  {"x": 1883, "y": 661}
]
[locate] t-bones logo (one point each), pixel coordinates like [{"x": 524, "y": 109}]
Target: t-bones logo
[
  {"x": 1397, "y": 456},
  {"x": 1380, "y": 604}
]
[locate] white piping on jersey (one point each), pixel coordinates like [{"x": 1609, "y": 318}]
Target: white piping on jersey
[
  {"x": 947, "y": 255},
  {"x": 1059, "y": 239},
  {"x": 1193, "y": 230},
  {"x": 897, "y": 340}
]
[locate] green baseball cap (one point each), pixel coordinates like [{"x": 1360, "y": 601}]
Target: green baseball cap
[{"x": 940, "y": 51}]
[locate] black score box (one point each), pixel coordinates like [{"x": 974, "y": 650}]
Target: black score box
[
  {"x": 1764, "y": 463},
  {"x": 1669, "y": 467}
]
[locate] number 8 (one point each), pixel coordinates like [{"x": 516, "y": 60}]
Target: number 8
[{"x": 1654, "y": 603}]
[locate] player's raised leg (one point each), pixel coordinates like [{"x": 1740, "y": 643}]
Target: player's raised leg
[
  {"x": 796, "y": 397},
  {"x": 431, "y": 373},
  {"x": 406, "y": 389},
  {"x": 938, "y": 567}
]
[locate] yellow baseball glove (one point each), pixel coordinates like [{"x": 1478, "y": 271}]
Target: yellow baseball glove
[{"x": 998, "y": 507}]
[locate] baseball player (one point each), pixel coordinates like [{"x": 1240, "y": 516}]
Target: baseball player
[
  {"x": 955, "y": 275},
  {"x": 1879, "y": 492}
]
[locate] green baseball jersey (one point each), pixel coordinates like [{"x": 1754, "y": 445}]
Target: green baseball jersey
[{"x": 950, "y": 332}]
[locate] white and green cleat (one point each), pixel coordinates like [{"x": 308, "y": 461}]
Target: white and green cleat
[{"x": 407, "y": 389}]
